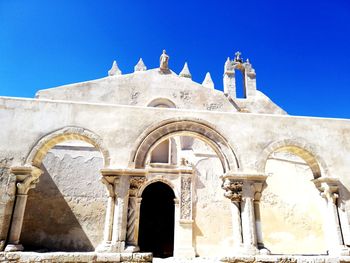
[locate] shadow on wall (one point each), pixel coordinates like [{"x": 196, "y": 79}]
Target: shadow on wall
[{"x": 49, "y": 222}]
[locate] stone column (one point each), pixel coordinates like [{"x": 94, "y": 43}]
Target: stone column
[
  {"x": 249, "y": 79},
  {"x": 329, "y": 191},
  {"x": 107, "y": 233},
  {"x": 183, "y": 238},
  {"x": 233, "y": 191},
  {"x": 248, "y": 219},
  {"x": 242, "y": 189},
  {"x": 134, "y": 213},
  {"x": 121, "y": 186},
  {"x": 229, "y": 79},
  {"x": 258, "y": 188},
  {"x": 27, "y": 178}
]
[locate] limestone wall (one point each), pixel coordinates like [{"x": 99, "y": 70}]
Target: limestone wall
[
  {"x": 292, "y": 208},
  {"x": 66, "y": 211}
]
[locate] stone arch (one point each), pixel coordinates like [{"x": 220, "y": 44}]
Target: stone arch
[
  {"x": 155, "y": 180},
  {"x": 161, "y": 102},
  {"x": 298, "y": 147},
  {"x": 43, "y": 145},
  {"x": 193, "y": 127}
]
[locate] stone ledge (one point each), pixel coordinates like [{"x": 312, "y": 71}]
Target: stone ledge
[
  {"x": 93, "y": 257},
  {"x": 73, "y": 257},
  {"x": 259, "y": 259}
]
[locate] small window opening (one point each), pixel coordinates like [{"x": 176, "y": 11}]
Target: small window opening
[
  {"x": 240, "y": 87},
  {"x": 161, "y": 153}
]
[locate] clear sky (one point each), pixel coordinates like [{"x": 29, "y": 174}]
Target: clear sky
[{"x": 299, "y": 49}]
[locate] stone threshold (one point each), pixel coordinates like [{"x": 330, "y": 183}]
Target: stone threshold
[
  {"x": 87, "y": 257},
  {"x": 260, "y": 259},
  {"x": 81, "y": 257}
]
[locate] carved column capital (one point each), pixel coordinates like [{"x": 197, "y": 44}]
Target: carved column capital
[
  {"x": 233, "y": 189},
  {"x": 109, "y": 186},
  {"x": 239, "y": 186},
  {"x": 328, "y": 188},
  {"x": 135, "y": 183},
  {"x": 27, "y": 177}
]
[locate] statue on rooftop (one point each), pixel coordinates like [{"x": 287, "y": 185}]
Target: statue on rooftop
[
  {"x": 238, "y": 57},
  {"x": 163, "y": 61}
]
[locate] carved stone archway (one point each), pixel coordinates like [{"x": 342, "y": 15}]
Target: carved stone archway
[{"x": 196, "y": 128}]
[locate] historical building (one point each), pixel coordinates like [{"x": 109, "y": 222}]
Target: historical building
[{"x": 154, "y": 162}]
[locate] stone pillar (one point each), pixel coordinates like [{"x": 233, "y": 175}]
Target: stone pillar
[
  {"x": 27, "y": 178},
  {"x": 248, "y": 219},
  {"x": 329, "y": 191},
  {"x": 134, "y": 213},
  {"x": 121, "y": 186},
  {"x": 107, "y": 233},
  {"x": 249, "y": 79},
  {"x": 229, "y": 79},
  {"x": 242, "y": 189},
  {"x": 184, "y": 230},
  {"x": 233, "y": 191}
]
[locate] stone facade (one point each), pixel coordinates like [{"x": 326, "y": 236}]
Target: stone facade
[{"x": 233, "y": 179}]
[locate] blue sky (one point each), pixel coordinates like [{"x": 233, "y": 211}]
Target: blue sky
[{"x": 299, "y": 49}]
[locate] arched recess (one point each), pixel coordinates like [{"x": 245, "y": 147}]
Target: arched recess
[
  {"x": 299, "y": 148},
  {"x": 70, "y": 160},
  {"x": 292, "y": 210},
  {"x": 43, "y": 145},
  {"x": 179, "y": 126}
]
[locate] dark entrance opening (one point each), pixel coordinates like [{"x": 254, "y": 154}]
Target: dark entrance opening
[{"x": 156, "y": 232}]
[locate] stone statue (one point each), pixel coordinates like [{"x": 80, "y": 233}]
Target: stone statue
[
  {"x": 163, "y": 61},
  {"x": 238, "y": 57}
]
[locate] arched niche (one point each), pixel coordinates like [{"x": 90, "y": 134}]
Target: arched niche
[
  {"x": 61, "y": 207},
  {"x": 292, "y": 210}
]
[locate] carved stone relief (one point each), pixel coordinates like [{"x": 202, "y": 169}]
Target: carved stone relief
[
  {"x": 186, "y": 200},
  {"x": 233, "y": 190},
  {"x": 135, "y": 184}
]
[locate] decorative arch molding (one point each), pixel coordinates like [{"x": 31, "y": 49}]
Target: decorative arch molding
[
  {"x": 155, "y": 180},
  {"x": 44, "y": 144},
  {"x": 193, "y": 127},
  {"x": 300, "y": 148}
]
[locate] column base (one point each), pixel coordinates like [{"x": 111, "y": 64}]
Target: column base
[
  {"x": 187, "y": 253},
  {"x": 109, "y": 247},
  {"x": 13, "y": 247},
  {"x": 340, "y": 251},
  {"x": 2, "y": 245},
  {"x": 132, "y": 248},
  {"x": 244, "y": 250},
  {"x": 250, "y": 250}
]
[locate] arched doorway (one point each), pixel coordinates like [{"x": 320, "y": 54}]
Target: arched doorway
[{"x": 156, "y": 232}]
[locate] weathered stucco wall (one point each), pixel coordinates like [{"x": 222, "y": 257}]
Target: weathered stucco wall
[
  {"x": 66, "y": 210},
  {"x": 291, "y": 208},
  {"x": 248, "y": 134}
]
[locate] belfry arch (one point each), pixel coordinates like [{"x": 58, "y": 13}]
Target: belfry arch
[{"x": 196, "y": 128}]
